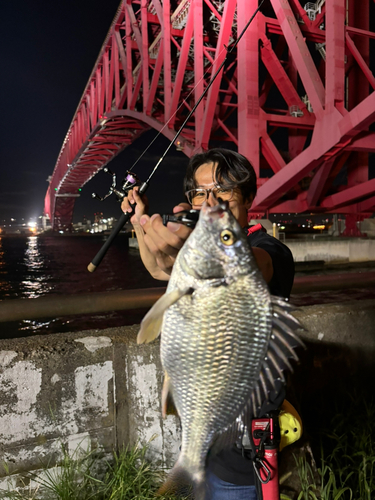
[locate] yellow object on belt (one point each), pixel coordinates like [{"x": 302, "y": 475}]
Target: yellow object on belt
[{"x": 290, "y": 425}]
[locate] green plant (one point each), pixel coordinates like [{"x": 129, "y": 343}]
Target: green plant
[
  {"x": 306, "y": 477},
  {"x": 328, "y": 489},
  {"x": 130, "y": 476},
  {"x": 72, "y": 478},
  {"x": 347, "y": 464}
]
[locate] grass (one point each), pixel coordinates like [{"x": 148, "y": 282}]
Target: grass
[
  {"x": 329, "y": 487},
  {"x": 347, "y": 462},
  {"x": 130, "y": 476},
  {"x": 346, "y": 468}
]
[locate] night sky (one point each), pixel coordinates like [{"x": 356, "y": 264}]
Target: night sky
[{"x": 48, "y": 50}]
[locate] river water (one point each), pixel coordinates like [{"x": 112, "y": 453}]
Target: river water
[
  {"x": 36, "y": 266},
  {"x": 43, "y": 265}
]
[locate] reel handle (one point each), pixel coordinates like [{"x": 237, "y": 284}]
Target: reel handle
[{"x": 120, "y": 224}]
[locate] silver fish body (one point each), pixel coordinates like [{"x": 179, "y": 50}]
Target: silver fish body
[{"x": 215, "y": 336}]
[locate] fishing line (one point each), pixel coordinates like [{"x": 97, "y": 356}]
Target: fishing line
[
  {"x": 124, "y": 218},
  {"x": 228, "y": 51}
]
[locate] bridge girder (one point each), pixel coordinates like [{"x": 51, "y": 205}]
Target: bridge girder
[{"x": 296, "y": 98}]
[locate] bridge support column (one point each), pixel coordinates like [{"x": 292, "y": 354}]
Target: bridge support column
[{"x": 248, "y": 78}]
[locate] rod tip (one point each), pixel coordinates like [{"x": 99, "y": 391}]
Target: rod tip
[{"x": 91, "y": 267}]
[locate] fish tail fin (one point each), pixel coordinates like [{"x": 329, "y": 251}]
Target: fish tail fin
[
  {"x": 177, "y": 480},
  {"x": 200, "y": 489},
  {"x": 180, "y": 481}
]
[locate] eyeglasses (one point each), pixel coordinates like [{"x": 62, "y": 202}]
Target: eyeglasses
[{"x": 199, "y": 195}]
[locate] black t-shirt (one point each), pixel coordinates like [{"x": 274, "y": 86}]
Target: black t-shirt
[
  {"x": 282, "y": 261},
  {"x": 229, "y": 464}
]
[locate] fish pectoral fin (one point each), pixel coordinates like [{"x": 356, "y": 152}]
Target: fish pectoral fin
[
  {"x": 151, "y": 323},
  {"x": 167, "y": 403}
]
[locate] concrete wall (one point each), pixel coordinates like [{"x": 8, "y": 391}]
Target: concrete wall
[
  {"x": 100, "y": 389},
  {"x": 333, "y": 250},
  {"x": 90, "y": 389},
  {"x": 367, "y": 227}
]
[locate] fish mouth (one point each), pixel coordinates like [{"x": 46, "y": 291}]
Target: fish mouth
[
  {"x": 215, "y": 212},
  {"x": 209, "y": 214}
]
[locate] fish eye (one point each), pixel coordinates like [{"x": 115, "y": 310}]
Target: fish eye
[{"x": 227, "y": 237}]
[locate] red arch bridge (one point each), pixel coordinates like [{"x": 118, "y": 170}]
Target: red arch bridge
[{"x": 296, "y": 97}]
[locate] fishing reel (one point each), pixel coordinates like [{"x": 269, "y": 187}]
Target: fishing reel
[
  {"x": 128, "y": 183},
  {"x": 187, "y": 217}
]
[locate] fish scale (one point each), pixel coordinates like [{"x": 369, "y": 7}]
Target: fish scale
[
  {"x": 218, "y": 339},
  {"x": 237, "y": 364}
]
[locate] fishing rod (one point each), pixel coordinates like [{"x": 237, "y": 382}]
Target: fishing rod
[{"x": 131, "y": 180}]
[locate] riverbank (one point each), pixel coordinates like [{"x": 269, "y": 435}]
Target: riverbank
[{"x": 101, "y": 388}]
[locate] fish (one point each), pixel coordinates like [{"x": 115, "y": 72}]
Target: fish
[{"x": 224, "y": 341}]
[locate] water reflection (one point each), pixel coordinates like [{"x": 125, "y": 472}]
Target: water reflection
[
  {"x": 50, "y": 265},
  {"x": 35, "y": 281},
  {"x": 27, "y": 324},
  {"x": 4, "y": 284}
]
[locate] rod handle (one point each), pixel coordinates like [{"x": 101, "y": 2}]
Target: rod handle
[
  {"x": 120, "y": 224},
  {"x": 100, "y": 255}
]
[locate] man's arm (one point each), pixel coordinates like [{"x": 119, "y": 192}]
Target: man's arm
[
  {"x": 264, "y": 262},
  {"x": 158, "y": 245},
  {"x": 141, "y": 209},
  {"x": 148, "y": 259}
]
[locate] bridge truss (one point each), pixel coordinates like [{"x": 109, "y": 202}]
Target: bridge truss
[{"x": 296, "y": 97}]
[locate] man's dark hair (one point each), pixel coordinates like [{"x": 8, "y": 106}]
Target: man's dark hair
[{"x": 233, "y": 169}]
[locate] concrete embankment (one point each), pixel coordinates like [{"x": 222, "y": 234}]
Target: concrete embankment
[
  {"x": 333, "y": 249},
  {"x": 100, "y": 389}
]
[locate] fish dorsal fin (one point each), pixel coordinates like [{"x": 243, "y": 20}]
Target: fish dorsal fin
[
  {"x": 167, "y": 404},
  {"x": 151, "y": 323},
  {"x": 282, "y": 344}
]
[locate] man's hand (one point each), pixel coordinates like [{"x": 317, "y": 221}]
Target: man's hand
[
  {"x": 141, "y": 207},
  {"x": 164, "y": 242}
]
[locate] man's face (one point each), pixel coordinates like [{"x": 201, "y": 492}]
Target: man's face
[{"x": 205, "y": 178}]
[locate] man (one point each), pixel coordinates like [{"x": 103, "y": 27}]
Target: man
[{"x": 225, "y": 174}]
